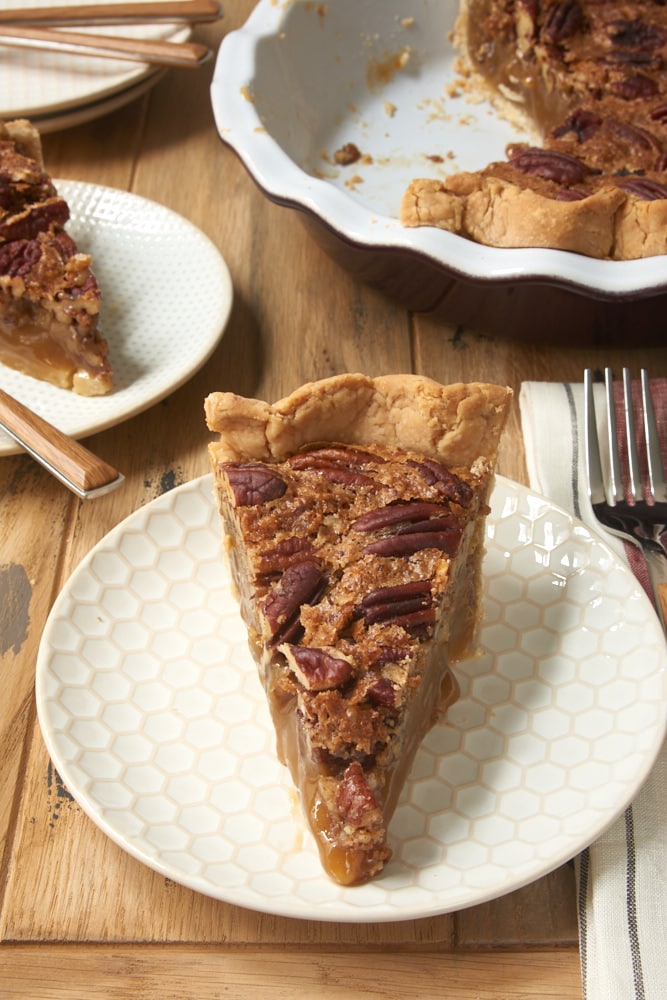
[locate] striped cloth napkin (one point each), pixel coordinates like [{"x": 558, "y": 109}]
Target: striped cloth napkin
[{"x": 622, "y": 877}]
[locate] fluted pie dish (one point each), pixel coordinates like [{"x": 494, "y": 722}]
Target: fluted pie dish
[{"x": 335, "y": 109}]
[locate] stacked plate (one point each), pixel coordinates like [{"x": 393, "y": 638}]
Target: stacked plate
[{"x": 59, "y": 90}]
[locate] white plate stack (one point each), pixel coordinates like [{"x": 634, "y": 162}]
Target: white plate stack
[{"x": 58, "y": 90}]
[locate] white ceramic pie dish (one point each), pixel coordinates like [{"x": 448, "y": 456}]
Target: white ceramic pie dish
[{"x": 301, "y": 79}]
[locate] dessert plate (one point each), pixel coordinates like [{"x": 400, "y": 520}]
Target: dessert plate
[
  {"x": 153, "y": 714},
  {"x": 34, "y": 84},
  {"x": 88, "y": 111},
  {"x": 160, "y": 276}
]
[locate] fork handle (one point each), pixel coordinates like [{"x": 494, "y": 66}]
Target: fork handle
[{"x": 656, "y": 563}]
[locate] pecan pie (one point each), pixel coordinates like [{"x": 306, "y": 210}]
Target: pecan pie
[
  {"x": 49, "y": 297},
  {"x": 587, "y": 78},
  {"x": 353, "y": 515}
]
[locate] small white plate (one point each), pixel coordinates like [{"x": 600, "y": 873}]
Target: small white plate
[
  {"x": 153, "y": 714},
  {"x": 80, "y": 113},
  {"x": 34, "y": 83},
  {"x": 166, "y": 299}
]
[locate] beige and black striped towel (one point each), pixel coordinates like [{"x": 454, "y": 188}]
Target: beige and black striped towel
[{"x": 622, "y": 877}]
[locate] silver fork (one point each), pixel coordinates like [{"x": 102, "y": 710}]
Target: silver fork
[{"x": 641, "y": 519}]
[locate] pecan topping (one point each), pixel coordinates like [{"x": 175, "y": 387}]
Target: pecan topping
[
  {"x": 636, "y": 34},
  {"x": 355, "y": 799},
  {"x": 317, "y": 669},
  {"x": 645, "y": 189},
  {"x": 338, "y": 465},
  {"x": 633, "y": 134},
  {"x": 582, "y": 122},
  {"x": 381, "y": 693},
  {"x": 626, "y": 57},
  {"x": 396, "y": 514},
  {"x": 407, "y": 544},
  {"x": 563, "y": 21},
  {"x": 254, "y": 484},
  {"x": 25, "y": 225},
  {"x": 300, "y": 584},
  {"x": 634, "y": 87},
  {"x": 551, "y": 166},
  {"x": 388, "y": 603},
  {"x": 348, "y": 457},
  {"x": 283, "y": 554},
  {"x": 446, "y": 482}
]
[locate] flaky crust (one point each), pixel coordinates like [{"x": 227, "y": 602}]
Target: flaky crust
[
  {"x": 496, "y": 213},
  {"x": 458, "y": 425}
]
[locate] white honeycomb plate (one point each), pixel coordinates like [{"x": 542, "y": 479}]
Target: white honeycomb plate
[
  {"x": 166, "y": 298},
  {"x": 153, "y": 715}
]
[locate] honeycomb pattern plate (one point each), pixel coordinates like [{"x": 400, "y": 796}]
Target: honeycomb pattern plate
[
  {"x": 166, "y": 298},
  {"x": 153, "y": 714}
]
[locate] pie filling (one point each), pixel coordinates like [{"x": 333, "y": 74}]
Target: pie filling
[
  {"x": 358, "y": 575},
  {"x": 588, "y": 78}
]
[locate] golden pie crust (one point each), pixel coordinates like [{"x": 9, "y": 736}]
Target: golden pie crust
[
  {"x": 49, "y": 296},
  {"x": 353, "y": 513},
  {"x": 588, "y": 80}
]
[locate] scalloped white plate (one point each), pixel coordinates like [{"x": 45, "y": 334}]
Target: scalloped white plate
[
  {"x": 153, "y": 714},
  {"x": 166, "y": 298},
  {"x": 34, "y": 84},
  {"x": 301, "y": 79}
]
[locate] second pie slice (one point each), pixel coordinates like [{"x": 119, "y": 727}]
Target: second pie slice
[{"x": 354, "y": 518}]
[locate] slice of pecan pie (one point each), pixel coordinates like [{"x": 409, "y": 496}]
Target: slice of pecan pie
[
  {"x": 353, "y": 515},
  {"x": 49, "y": 297},
  {"x": 588, "y": 79}
]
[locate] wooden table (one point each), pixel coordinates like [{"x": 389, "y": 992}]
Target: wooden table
[{"x": 78, "y": 916}]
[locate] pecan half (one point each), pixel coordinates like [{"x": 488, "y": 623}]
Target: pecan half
[
  {"x": 355, "y": 799},
  {"x": 563, "y": 21},
  {"x": 349, "y": 457},
  {"x": 410, "y": 542},
  {"x": 636, "y": 34},
  {"x": 317, "y": 669},
  {"x": 449, "y": 485},
  {"x": 337, "y": 465},
  {"x": 644, "y": 188},
  {"x": 633, "y": 134},
  {"x": 398, "y": 513},
  {"x": 254, "y": 484},
  {"x": 300, "y": 584},
  {"x": 26, "y": 224},
  {"x": 381, "y": 693},
  {"x": 387, "y": 603},
  {"x": 284, "y": 553},
  {"x": 550, "y": 165},
  {"x": 659, "y": 114},
  {"x": 634, "y": 87},
  {"x": 583, "y": 122}
]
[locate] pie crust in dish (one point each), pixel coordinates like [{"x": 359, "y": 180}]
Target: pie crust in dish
[
  {"x": 353, "y": 513},
  {"x": 588, "y": 80},
  {"x": 49, "y": 296}
]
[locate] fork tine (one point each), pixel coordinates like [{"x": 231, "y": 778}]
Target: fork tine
[
  {"x": 615, "y": 475},
  {"x": 593, "y": 462},
  {"x": 635, "y": 484},
  {"x": 656, "y": 471}
]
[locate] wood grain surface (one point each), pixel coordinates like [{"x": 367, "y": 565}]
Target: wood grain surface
[{"x": 78, "y": 916}]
